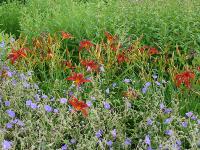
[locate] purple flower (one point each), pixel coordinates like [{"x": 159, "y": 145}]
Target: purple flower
[
  {"x": 129, "y": 105},
  {"x": 169, "y": 132},
  {"x": 144, "y": 90},
  {"x": 147, "y": 140},
  {"x": 127, "y": 141},
  {"x": 198, "y": 121},
  {"x": 34, "y": 106},
  {"x": 7, "y": 103},
  {"x": 194, "y": 117},
  {"x": 64, "y": 147},
  {"x": 99, "y": 134},
  {"x": 63, "y": 100},
  {"x": 9, "y": 73},
  {"x": 162, "y": 106},
  {"x": 6, "y": 145},
  {"x": 114, "y": 133},
  {"x": 127, "y": 80},
  {"x": 10, "y": 113},
  {"x": 20, "y": 123},
  {"x": 168, "y": 120},
  {"x": 106, "y": 105},
  {"x": 189, "y": 114},
  {"x": 55, "y": 111},
  {"x": 178, "y": 142},
  {"x": 149, "y": 148},
  {"x": 158, "y": 83},
  {"x": 184, "y": 124},
  {"x": 70, "y": 93},
  {"x": 149, "y": 122},
  {"x": 37, "y": 97},
  {"x": 147, "y": 84},
  {"x": 26, "y": 85},
  {"x": 89, "y": 103},
  {"x": 28, "y": 103},
  {"x": 44, "y": 96},
  {"x": 9, "y": 125},
  {"x": 73, "y": 141},
  {"x": 167, "y": 110},
  {"x": 48, "y": 108},
  {"x": 109, "y": 143}
]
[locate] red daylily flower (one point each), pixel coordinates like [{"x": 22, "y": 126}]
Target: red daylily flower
[
  {"x": 121, "y": 58},
  {"x": 90, "y": 65},
  {"x": 151, "y": 50},
  {"x": 16, "y": 54},
  {"x": 78, "y": 78},
  {"x": 110, "y": 38},
  {"x": 68, "y": 64},
  {"x": 79, "y": 106},
  {"x": 85, "y": 44},
  {"x": 185, "y": 78},
  {"x": 66, "y": 35}
]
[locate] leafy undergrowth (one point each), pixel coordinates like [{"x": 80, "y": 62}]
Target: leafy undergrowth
[{"x": 105, "y": 95}]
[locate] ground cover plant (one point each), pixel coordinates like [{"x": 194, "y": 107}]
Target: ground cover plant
[{"x": 101, "y": 84}]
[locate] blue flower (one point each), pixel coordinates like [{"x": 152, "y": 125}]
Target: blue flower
[
  {"x": 194, "y": 117},
  {"x": 184, "y": 124},
  {"x": 89, "y": 103},
  {"x": 144, "y": 90},
  {"x": 168, "y": 120},
  {"x": 106, "y": 105},
  {"x": 107, "y": 91},
  {"x": 189, "y": 114},
  {"x": 44, "y": 96},
  {"x": 99, "y": 134},
  {"x": 37, "y": 97},
  {"x": 7, "y": 103},
  {"x": 127, "y": 141},
  {"x": 48, "y": 108},
  {"x": 114, "y": 85},
  {"x": 2, "y": 44},
  {"x": 162, "y": 106},
  {"x": 55, "y": 111},
  {"x": 127, "y": 80},
  {"x": 10, "y": 113},
  {"x": 149, "y": 122},
  {"x": 64, "y": 147},
  {"x": 63, "y": 100},
  {"x": 114, "y": 133},
  {"x": 109, "y": 143},
  {"x": 147, "y": 140},
  {"x": 169, "y": 132},
  {"x": 9, "y": 125},
  {"x": 34, "y": 106},
  {"x": 198, "y": 121},
  {"x": 158, "y": 83},
  {"x": 6, "y": 145},
  {"x": 28, "y": 103}
]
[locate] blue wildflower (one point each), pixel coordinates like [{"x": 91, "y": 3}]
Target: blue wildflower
[
  {"x": 106, "y": 105},
  {"x": 7, "y": 103},
  {"x": 73, "y": 141},
  {"x": 109, "y": 143},
  {"x": 169, "y": 132},
  {"x": 34, "y": 106},
  {"x": 127, "y": 141},
  {"x": 147, "y": 140},
  {"x": 10, "y": 113},
  {"x": 127, "y": 80},
  {"x": 63, "y": 100},
  {"x": 99, "y": 134},
  {"x": 28, "y": 103},
  {"x": 6, "y": 145},
  {"x": 64, "y": 147},
  {"x": 168, "y": 120},
  {"x": 184, "y": 124},
  {"x": 149, "y": 122},
  {"x": 55, "y": 111},
  {"x": 89, "y": 103},
  {"x": 9, "y": 125},
  {"x": 189, "y": 114},
  {"x": 48, "y": 108},
  {"x": 114, "y": 133}
]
